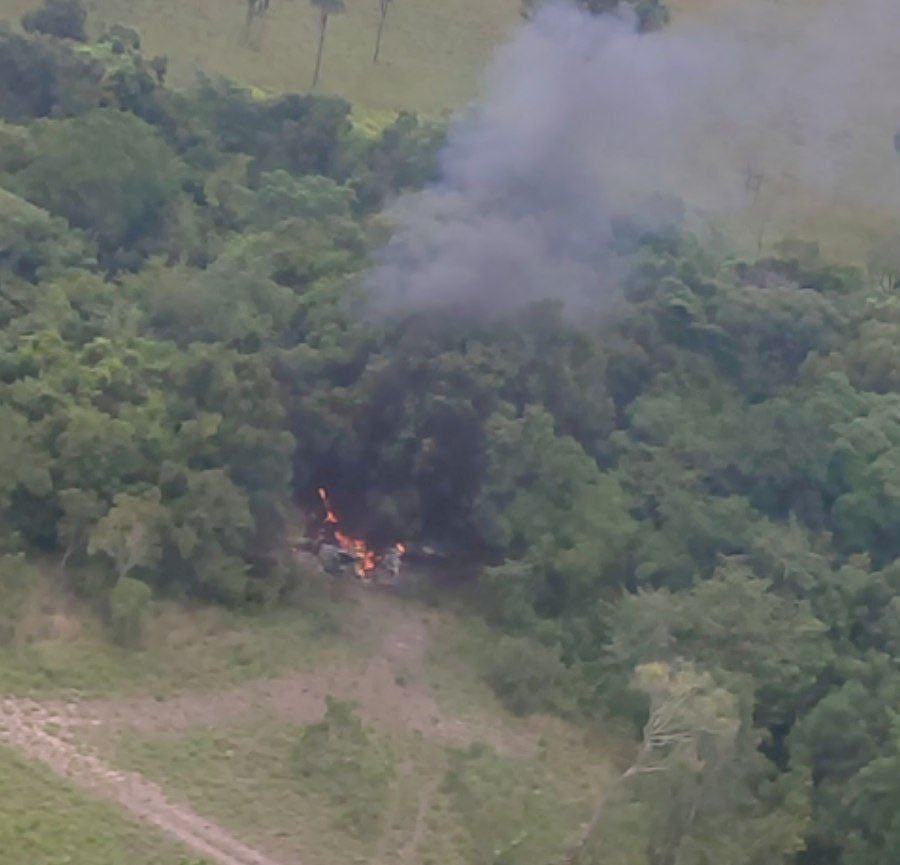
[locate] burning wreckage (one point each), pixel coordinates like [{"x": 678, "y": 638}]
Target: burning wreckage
[{"x": 340, "y": 554}]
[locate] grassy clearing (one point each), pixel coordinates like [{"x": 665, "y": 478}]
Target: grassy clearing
[
  {"x": 62, "y": 646},
  {"x": 345, "y": 765},
  {"x": 434, "y": 56},
  {"x": 458, "y": 660},
  {"x": 245, "y": 777},
  {"x": 43, "y": 821},
  {"x": 332, "y": 792},
  {"x": 455, "y": 807},
  {"x": 511, "y": 811},
  {"x": 433, "y": 53}
]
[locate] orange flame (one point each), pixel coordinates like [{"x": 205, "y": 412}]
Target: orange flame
[
  {"x": 330, "y": 515},
  {"x": 365, "y": 559}
]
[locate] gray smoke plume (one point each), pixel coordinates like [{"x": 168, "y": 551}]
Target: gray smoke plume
[{"x": 584, "y": 120}]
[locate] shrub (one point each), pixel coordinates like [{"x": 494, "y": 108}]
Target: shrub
[
  {"x": 64, "y": 19},
  {"x": 43, "y": 77},
  {"x": 128, "y": 604},
  {"x": 339, "y": 760},
  {"x": 529, "y": 677},
  {"x": 16, "y": 577}
]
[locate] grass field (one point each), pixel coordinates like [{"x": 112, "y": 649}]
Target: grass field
[
  {"x": 463, "y": 806},
  {"x": 43, "y": 821},
  {"x": 433, "y": 53},
  {"x": 434, "y": 56},
  {"x": 62, "y": 646},
  {"x": 420, "y": 763}
]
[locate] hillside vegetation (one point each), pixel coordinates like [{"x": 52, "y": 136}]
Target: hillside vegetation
[
  {"x": 433, "y": 54},
  {"x": 433, "y": 58},
  {"x": 678, "y": 517},
  {"x": 44, "y": 820}
]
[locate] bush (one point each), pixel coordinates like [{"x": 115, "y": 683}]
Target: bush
[
  {"x": 340, "y": 760},
  {"x": 529, "y": 677},
  {"x": 128, "y": 604},
  {"x": 16, "y": 578},
  {"x": 42, "y": 77},
  {"x": 404, "y": 157},
  {"x": 122, "y": 38},
  {"x": 64, "y": 19},
  {"x": 300, "y": 134}
]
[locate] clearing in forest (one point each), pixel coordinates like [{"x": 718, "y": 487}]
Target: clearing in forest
[{"x": 391, "y": 751}]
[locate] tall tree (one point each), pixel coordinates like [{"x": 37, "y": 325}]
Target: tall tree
[
  {"x": 650, "y": 14},
  {"x": 698, "y": 787},
  {"x": 255, "y": 9},
  {"x": 80, "y": 510},
  {"x": 383, "y": 7},
  {"x": 130, "y": 535},
  {"x": 692, "y": 723},
  {"x": 326, "y": 8}
]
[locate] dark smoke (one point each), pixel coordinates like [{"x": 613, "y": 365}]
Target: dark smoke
[{"x": 585, "y": 121}]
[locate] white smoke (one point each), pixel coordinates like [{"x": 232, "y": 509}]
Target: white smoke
[{"x": 584, "y": 119}]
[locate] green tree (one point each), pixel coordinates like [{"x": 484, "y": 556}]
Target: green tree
[
  {"x": 383, "y": 9},
  {"x": 131, "y": 533},
  {"x": 561, "y": 523},
  {"x": 848, "y": 740},
  {"x": 24, "y": 465},
  {"x": 80, "y": 511},
  {"x": 255, "y": 10},
  {"x": 64, "y": 19},
  {"x": 98, "y": 452},
  {"x": 16, "y": 146},
  {"x": 733, "y": 621},
  {"x": 696, "y": 781},
  {"x": 873, "y": 802},
  {"x": 128, "y": 603},
  {"x": 33, "y": 243},
  {"x": 45, "y": 78},
  {"x": 692, "y": 726},
  {"x": 106, "y": 172},
  {"x": 326, "y": 8},
  {"x": 210, "y": 525}
]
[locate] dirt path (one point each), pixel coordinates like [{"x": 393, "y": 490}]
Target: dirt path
[
  {"x": 41, "y": 735},
  {"x": 390, "y": 690},
  {"x": 409, "y": 853}
]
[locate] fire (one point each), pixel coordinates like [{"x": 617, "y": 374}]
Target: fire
[
  {"x": 365, "y": 559},
  {"x": 330, "y": 515}
]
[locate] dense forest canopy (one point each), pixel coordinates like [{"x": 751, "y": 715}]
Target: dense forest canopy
[{"x": 685, "y": 511}]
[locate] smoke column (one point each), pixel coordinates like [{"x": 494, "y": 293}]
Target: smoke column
[{"x": 584, "y": 120}]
